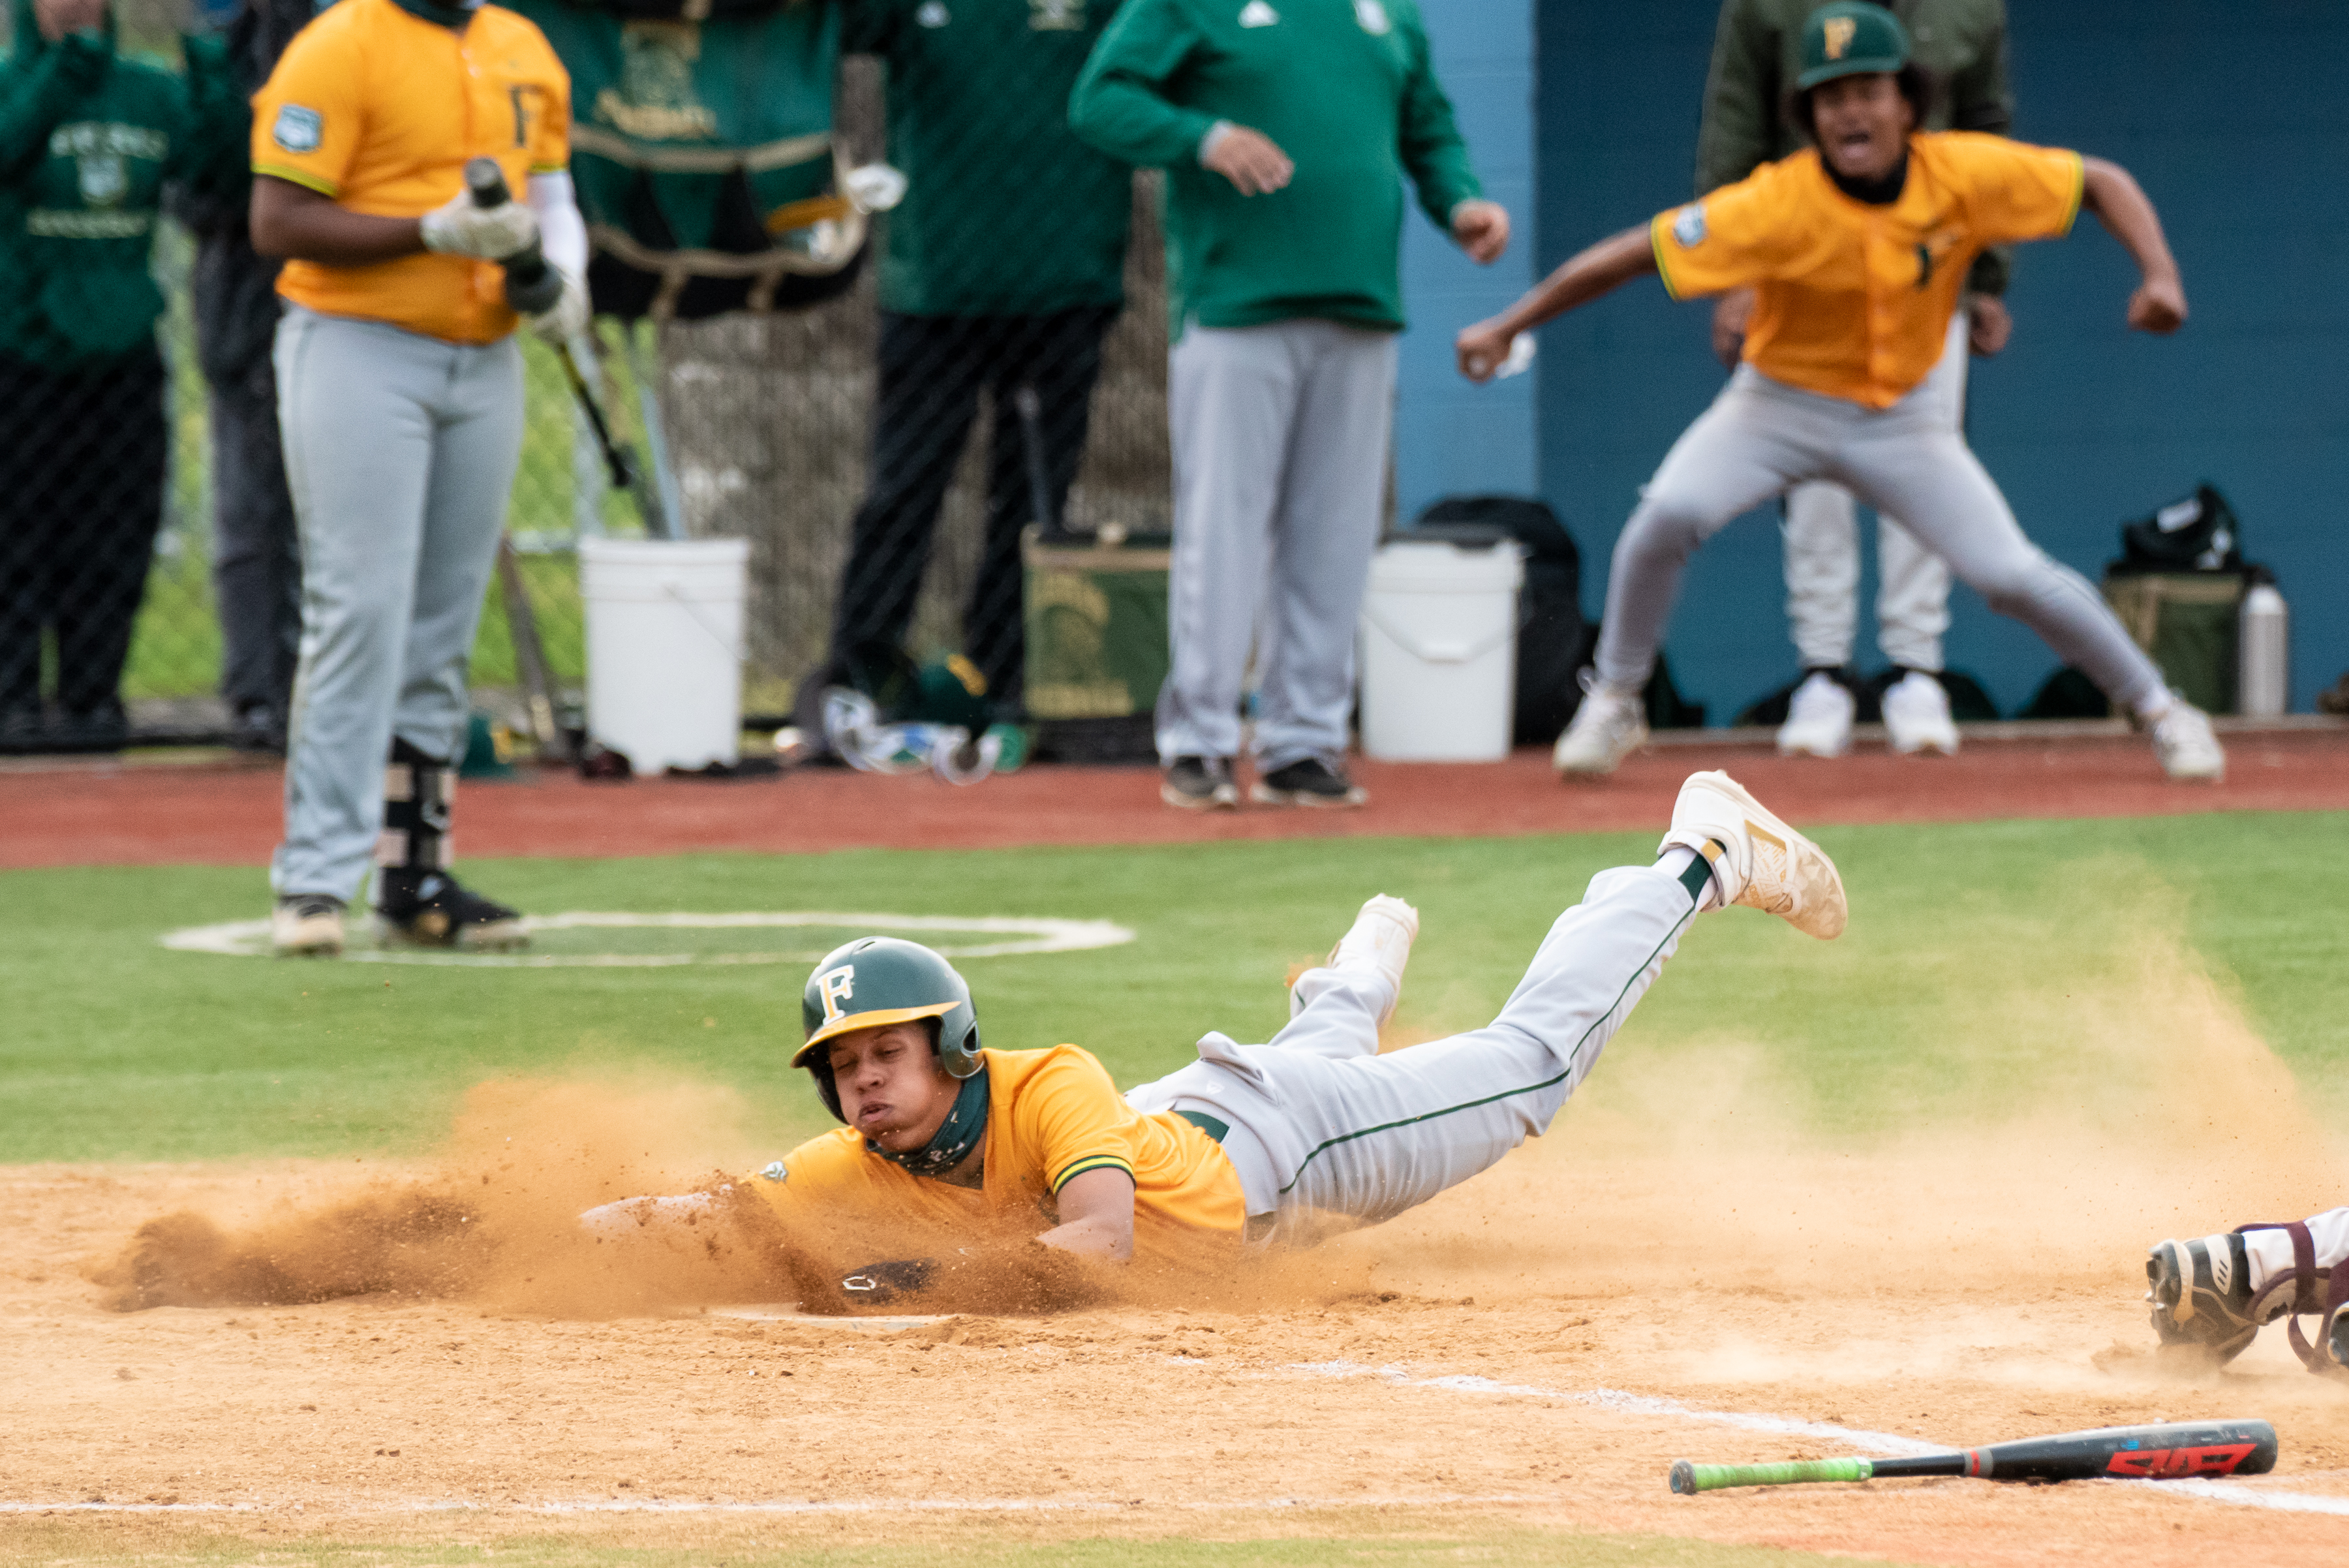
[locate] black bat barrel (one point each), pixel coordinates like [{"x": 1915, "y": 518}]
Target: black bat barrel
[{"x": 2171, "y": 1451}]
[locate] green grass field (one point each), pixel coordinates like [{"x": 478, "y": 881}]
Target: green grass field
[{"x": 1937, "y": 998}]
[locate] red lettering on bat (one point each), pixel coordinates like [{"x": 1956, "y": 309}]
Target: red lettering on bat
[{"x": 2168, "y": 1464}]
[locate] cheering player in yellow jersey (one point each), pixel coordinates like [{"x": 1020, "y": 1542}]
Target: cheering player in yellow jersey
[
  {"x": 400, "y": 392},
  {"x": 1857, "y": 250}
]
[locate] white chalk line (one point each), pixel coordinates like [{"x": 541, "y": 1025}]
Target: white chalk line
[
  {"x": 2201, "y": 1488},
  {"x": 250, "y": 938},
  {"x": 786, "y": 1506}
]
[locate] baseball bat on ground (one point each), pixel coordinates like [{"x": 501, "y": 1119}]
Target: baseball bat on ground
[{"x": 2167, "y": 1453}]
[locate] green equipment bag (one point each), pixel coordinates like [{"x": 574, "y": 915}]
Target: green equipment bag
[
  {"x": 1097, "y": 652},
  {"x": 701, "y": 148}
]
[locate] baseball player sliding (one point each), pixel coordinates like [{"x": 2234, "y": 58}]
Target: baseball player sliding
[
  {"x": 2211, "y": 1295},
  {"x": 1857, "y": 249},
  {"x": 1283, "y": 1141},
  {"x": 401, "y": 398}
]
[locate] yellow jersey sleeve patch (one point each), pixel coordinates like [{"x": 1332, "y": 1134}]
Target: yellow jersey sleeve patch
[{"x": 306, "y": 116}]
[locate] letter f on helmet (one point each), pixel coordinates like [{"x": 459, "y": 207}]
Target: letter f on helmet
[{"x": 838, "y": 986}]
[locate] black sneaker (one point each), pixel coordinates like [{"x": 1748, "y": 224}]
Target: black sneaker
[
  {"x": 1309, "y": 781},
  {"x": 104, "y": 728},
  {"x": 430, "y": 909},
  {"x": 1200, "y": 784}
]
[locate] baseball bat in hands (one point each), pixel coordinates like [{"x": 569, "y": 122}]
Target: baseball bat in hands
[
  {"x": 2167, "y": 1453},
  {"x": 531, "y": 285}
]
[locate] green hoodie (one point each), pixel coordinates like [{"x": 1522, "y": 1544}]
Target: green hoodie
[
  {"x": 87, "y": 141},
  {"x": 1343, "y": 87}
]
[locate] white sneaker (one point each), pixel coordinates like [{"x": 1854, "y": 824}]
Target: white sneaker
[
  {"x": 1917, "y": 716},
  {"x": 1379, "y": 940},
  {"x": 307, "y": 925},
  {"x": 2183, "y": 740},
  {"x": 1818, "y": 719},
  {"x": 1609, "y": 726},
  {"x": 1758, "y": 861}
]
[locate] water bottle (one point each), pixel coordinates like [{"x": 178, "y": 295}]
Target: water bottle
[{"x": 2262, "y": 653}]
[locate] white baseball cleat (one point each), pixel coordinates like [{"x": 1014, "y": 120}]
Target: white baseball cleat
[
  {"x": 1609, "y": 726},
  {"x": 306, "y": 925},
  {"x": 2183, "y": 740},
  {"x": 1757, "y": 859},
  {"x": 1818, "y": 719},
  {"x": 1917, "y": 716},
  {"x": 1380, "y": 941}
]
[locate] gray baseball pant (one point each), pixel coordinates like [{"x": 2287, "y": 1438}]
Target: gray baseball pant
[
  {"x": 400, "y": 452},
  {"x": 1280, "y": 465},
  {"x": 1761, "y": 436},
  {"x": 1325, "y": 1134},
  {"x": 1821, "y": 532}
]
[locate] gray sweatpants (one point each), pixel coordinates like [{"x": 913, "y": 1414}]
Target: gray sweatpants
[
  {"x": 1327, "y": 1134},
  {"x": 1280, "y": 465},
  {"x": 400, "y": 450},
  {"x": 1761, "y": 436}
]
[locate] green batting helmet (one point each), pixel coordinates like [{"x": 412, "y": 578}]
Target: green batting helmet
[
  {"x": 875, "y": 982},
  {"x": 1850, "y": 38}
]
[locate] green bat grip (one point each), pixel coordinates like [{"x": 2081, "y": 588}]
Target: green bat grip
[{"x": 1690, "y": 1480}]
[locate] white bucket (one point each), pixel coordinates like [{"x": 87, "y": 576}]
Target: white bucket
[
  {"x": 1440, "y": 653},
  {"x": 665, "y": 648}
]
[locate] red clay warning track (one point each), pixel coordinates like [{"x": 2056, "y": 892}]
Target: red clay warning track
[{"x": 156, "y": 813}]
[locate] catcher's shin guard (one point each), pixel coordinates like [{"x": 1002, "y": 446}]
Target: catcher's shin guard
[
  {"x": 2202, "y": 1295},
  {"x": 2323, "y": 1293}
]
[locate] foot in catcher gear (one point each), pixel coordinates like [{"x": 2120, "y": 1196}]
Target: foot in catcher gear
[
  {"x": 1757, "y": 859},
  {"x": 1609, "y": 726},
  {"x": 306, "y": 925},
  {"x": 2201, "y": 1294},
  {"x": 430, "y": 909},
  {"x": 1378, "y": 942},
  {"x": 2335, "y": 1342}
]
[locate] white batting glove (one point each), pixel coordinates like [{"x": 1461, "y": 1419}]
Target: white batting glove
[
  {"x": 568, "y": 318},
  {"x": 461, "y": 228}
]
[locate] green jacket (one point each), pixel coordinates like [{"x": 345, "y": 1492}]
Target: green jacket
[
  {"x": 1005, "y": 212},
  {"x": 1345, "y": 89},
  {"x": 1757, "y": 53},
  {"x": 87, "y": 141}
]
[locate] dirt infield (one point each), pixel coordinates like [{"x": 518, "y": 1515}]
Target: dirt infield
[
  {"x": 161, "y": 814},
  {"x": 1533, "y": 1350}
]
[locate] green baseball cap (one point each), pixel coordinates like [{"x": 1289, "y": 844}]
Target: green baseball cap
[{"x": 1850, "y": 38}]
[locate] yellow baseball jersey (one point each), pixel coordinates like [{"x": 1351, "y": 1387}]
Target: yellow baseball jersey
[
  {"x": 1051, "y": 1116},
  {"x": 1851, "y": 300},
  {"x": 380, "y": 109}
]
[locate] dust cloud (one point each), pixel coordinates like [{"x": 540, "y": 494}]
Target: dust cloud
[{"x": 2086, "y": 1085}]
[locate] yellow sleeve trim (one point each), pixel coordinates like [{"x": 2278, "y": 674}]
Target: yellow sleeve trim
[
  {"x": 1656, "y": 244},
  {"x": 297, "y": 177},
  {"x": 1093, "y": 1162},
  {"x": 2079, "y": 193},
  {"x": 550, "y": 168}
]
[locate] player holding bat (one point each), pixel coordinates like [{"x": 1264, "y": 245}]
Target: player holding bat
[
  {"x": 400, "y": 396},
  {"x": 1857, "y": 249},
  {"x": 1287, "y": 1141}
]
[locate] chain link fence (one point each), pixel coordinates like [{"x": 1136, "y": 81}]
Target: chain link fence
[{"x": 769, "y": 425}]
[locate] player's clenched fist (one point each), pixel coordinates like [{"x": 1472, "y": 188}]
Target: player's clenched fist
[
  {"x": 1483, "y": 349},
  {"x": 2158, "y": 305},
  {"x": 462, "y": 228}
]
